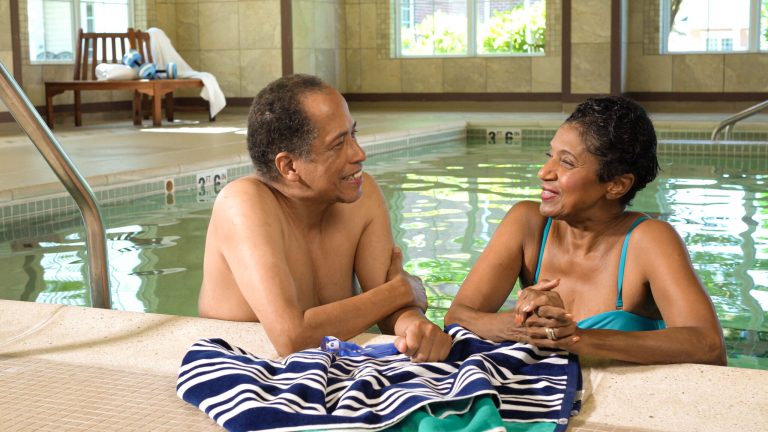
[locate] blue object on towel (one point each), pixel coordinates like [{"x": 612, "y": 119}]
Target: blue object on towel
[
  {"x": 316, "y": 390},
  {"x": 333, "y": 345}
]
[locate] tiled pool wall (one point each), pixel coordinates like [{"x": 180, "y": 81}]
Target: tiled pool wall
[
  {"x": 44, "y": 215},
  {"x": 52, "y": 213}
]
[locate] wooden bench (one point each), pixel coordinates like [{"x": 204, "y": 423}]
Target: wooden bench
[{"x": 95, "y": 48}]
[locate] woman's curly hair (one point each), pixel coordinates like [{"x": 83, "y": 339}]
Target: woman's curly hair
[{"x": 618, "y": 131}]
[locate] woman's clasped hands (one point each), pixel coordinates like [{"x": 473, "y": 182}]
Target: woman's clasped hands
[{"x": 541, "y": 317}]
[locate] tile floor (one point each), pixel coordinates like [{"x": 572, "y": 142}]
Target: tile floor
[{"x": 47, "y": 395}]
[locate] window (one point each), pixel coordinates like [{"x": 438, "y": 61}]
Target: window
[
  {"x": 714, "y": 25},
  {"x": 428, "y": 28},
  {"x": 763, "y": 33},
  {"x": 53, "y": 24}
]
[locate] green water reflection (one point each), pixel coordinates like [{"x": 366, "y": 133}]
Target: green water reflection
[
  {"x": 445, "y": 206},
  {"x": 718, "y": 205}
]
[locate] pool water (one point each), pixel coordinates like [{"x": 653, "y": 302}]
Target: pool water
[{"x": 445, "y": 202}]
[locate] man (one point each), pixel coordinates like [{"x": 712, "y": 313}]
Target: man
[{"x": 285, "y": 244}]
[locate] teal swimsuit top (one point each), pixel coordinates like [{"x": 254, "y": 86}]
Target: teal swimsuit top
[{"x": 616, "y": 319}]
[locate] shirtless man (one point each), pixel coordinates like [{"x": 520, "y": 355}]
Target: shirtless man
[{"x": 285, "y": 244}]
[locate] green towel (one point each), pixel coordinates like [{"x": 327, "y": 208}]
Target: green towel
[{"x": 473, "y": 415}]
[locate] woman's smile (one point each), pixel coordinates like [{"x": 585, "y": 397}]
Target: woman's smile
[{"x": 548, "y": 194}]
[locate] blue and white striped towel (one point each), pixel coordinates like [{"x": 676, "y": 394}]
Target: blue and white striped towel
[{"x": 313, "y": 389}]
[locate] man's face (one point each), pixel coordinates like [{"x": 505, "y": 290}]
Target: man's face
[{"x": 334, "y": 168}]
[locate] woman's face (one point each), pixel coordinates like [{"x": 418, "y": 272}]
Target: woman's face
[{"x": 569, "y": 183}]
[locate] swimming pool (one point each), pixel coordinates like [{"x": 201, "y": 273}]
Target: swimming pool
[{"x": 446, "y": 201}]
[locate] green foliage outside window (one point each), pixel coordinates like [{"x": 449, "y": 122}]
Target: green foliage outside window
[
  {"x": 519, "y": 30},
  {"x": 436, "y": 35},
  {"x": 516, "y": 31},
  {"x": 764, "y": 24}
]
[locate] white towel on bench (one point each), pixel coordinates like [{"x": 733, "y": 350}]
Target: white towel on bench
[
  {"x": 164, "y": 53},
  {"x": 115, "y": 72}
]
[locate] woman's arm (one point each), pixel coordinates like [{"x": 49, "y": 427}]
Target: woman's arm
[
  {"x": 693, "y": 333},
  {"x": 493, "y": 277}
]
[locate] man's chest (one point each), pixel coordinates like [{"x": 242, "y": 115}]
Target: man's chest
[{"x": 322, "y": 270}]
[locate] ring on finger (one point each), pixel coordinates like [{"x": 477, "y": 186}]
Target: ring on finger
[{"x": 550, "y": 333}]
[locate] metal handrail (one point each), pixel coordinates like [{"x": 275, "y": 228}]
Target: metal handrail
[
  {"x": 728, "y": 123},
  {"x": 95, "y": 239}
]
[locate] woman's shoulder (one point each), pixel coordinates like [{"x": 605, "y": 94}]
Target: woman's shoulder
[
  {"x": 525, "y": 208},
  {"x": 655, "y": 231},
  {"x": 648, "y": 222},
  {"x": 525, "y": 215}
]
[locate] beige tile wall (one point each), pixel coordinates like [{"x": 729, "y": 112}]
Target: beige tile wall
[
  {"x": 238, "y": 41},
  {"x": 590, "y": 46},
  {"x": 647, "y": 71},
  {"x": 745, "y": 73},
  {"x": 319, "y": 38},
  {"x": 371, "y": 67},
  {"x": 34, "y": 75},
  {"x": 348, "y": 44}
]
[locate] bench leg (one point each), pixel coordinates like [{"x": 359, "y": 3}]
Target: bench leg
[
  {"x": 145, "y": 103},
  {"x": 78, "y": 114},
  {"x": 49, "y": 110},
  {"x": 136, "y": 108},
  {"x": 169, "y": 106},
  {"x": 157, "y": 112}
]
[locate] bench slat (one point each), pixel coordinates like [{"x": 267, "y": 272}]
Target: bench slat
[{"x": 95, "y": 48}]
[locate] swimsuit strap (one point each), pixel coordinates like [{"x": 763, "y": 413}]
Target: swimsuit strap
[
  {"x": 619, "y": 301},
  {"x": 541, "y": 249}
]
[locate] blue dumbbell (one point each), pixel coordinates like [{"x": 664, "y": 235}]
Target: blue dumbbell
[
  {"x": 132, "y": 58},
  {"x": 150, "y": 71},
  {"x": 171, "y": 71}
]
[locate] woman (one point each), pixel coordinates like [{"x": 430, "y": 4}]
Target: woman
[{"x": 601, "y": 280}]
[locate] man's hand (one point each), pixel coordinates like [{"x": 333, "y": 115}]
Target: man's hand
[
  {"x": 423, "y": 341},
  {"x": 418, "y": 337},
  {"x": 412, "y": 284}
]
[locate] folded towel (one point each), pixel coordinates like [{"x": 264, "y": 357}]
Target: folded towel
[
  {"x": 164, "y": 53},
  {"x": 115, "y": 72},
  {"x": 314, "y": 389}
]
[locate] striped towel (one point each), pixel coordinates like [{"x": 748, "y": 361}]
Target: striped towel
[{"x": 313, "y": 389}]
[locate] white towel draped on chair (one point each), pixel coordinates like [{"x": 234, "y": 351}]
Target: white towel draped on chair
[{"x": 164, "y": 53}]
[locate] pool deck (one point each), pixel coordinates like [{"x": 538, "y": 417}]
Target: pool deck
[
  {"x": 114, "y": 152},
  {"x": 75, "y": 369},
  {"x": 69, "y": 368}
]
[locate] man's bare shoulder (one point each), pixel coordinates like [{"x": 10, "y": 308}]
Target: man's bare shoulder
[
  {"x": 371, "y": 189},
  {"x": 247, "y": 195},
  {"x": 371, "y": 203},
  {"x": 245, "y": 186}
]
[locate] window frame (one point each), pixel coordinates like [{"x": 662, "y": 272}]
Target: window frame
[
  {"x": 75, "y": 23},
  {"x": 471, "y": 38},
  {"x": 754, "y": 31}
]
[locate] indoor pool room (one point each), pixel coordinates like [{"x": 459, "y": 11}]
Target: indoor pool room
[{"x": 108, "y": 183}]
